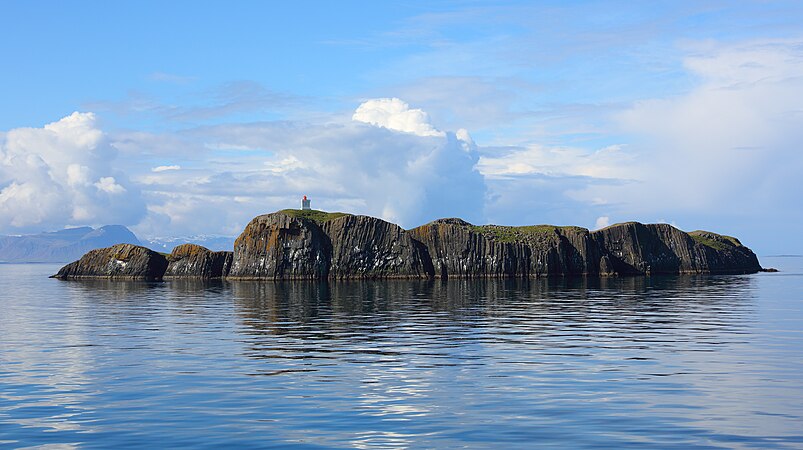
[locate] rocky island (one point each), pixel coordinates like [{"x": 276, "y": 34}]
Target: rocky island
[{"x": 309, "y": 244}]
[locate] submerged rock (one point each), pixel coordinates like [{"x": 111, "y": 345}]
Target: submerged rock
[
  {"x": 194, "y": 261},
  {"x": 121, "y": 261}
]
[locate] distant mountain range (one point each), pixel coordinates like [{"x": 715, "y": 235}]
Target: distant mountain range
[
  {"x": 70, "y": 244},
  {"x": 63, "y": 245}
]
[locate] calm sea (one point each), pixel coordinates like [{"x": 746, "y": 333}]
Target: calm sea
[{"x": 658, "y": 362}]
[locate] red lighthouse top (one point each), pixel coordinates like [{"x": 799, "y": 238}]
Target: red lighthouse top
[{"x": 305, "y": 197}]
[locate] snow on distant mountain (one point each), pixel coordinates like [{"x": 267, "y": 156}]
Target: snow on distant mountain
[
  {"x": 212, "y": 242},
  {"x": 64, "y": 245}
]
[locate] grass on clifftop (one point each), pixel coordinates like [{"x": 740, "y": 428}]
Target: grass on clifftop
[
  {"x": 313, "y": 214},
  {"x": 516, "y": 234},
  {"x": 715, "y": 244}
]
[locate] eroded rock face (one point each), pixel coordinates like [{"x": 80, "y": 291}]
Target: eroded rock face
[
  {"x": 278, "y": 246},
  {"x": 459, "y": 249},
  {"x": 367, "y": 247},
  {"x": 195, "y": 261},
  {"x": 635, "y": 249},
  {"x": 723, "y": 254},
  {"x": 121, "y": 261}
]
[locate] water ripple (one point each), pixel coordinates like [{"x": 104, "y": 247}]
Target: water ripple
[{"x": 664, "y": 362}]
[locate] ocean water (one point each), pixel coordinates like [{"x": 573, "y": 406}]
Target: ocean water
[{"x": 646, "y": 362}]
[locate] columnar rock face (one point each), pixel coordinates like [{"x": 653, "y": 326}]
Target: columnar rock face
[
  {"x": 294, "y": 244},
  {"x": 633, "y": 249},
  {"x": 724, "y": 254},
  {"x": 367, "y": 247},
  {"x": 459, "y": 249},
  {"x": 279, "y": 246},
  {"x": 121, "y": 261},
  {"x": 194, "y": 261}
]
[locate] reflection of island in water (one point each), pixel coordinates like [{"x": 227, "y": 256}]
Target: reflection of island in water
[
  {"x": 615, "y": 306},
  {"x": 279, "y": 307},
  {"x": 325, "y": 316}
]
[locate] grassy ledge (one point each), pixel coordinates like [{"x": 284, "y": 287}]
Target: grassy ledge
[
  {"x": 518, "y": 234},
  {"x": 713, "y": 240},
  {"x": 313, "y": 214}
]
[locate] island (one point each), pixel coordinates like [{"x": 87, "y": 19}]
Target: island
[{"x": 307, "y": 244}]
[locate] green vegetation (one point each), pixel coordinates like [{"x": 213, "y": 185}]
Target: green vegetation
[
  {"x": 524, "y": 233},
  {"x": 713, "y": 240},
  {"x": 313, "y": 214}
]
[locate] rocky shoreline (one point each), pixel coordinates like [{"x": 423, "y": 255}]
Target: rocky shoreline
[{"x": 296, "y": 245}]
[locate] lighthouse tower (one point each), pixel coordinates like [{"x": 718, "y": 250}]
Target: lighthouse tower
[{"x": 305, "y": 204}]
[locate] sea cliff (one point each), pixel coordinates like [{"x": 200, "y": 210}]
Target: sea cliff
[{"x": 295, "y": 244}]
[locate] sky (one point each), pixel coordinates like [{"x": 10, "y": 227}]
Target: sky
[{"x": 184, "y": 118}]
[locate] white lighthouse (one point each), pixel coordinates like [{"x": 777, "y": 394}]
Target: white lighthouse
[{"x": 305, "y": 204}]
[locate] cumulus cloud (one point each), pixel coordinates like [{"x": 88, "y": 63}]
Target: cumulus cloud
[
  {"x": 395, "y": 114},
  {"x": 602, "y": 222},
  {"x": 62, "y": 174},
  {"x": 405, "y": 177}
]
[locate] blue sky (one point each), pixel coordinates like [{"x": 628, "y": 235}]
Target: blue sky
[{"x": 195, "y": 116}]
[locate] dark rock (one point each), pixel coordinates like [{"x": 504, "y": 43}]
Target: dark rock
[
  {"x": 634, "y": 248},
  {"x": 459, "y": 249},
  {"x": 194, "y": 261},
  {"x": 606, "y": 267},
  {"x": 724, "y": 254},
  {"x": 280, "y": 246},
  {"x": 367, "y": 247},
  {"x": 286, "y": 246},
  {"x": 121, "y": 261}
]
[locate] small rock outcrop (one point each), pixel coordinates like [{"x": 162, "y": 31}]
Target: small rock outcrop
[
  {"x": 121, "y": 261},
  {"x": 194, "y": 261}
]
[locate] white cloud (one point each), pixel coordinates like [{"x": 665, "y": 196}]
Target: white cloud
[
  {"x": 611, "y": 162},
  {"x": 62, "y": 174},
  {"x": 342, "y": 165},
  {"x": 395, "y": 114},
  {"x": 602, "y": 222},
  {"x": 165, "y": 168},
  {"x": 730, "y": 144},
  {"x": 109, "y": 185}
]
